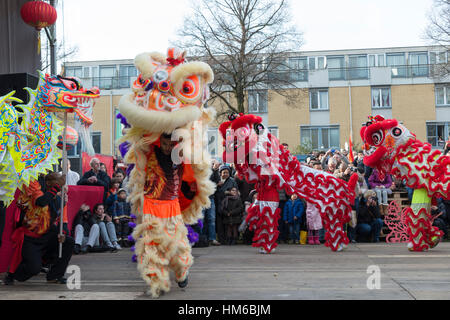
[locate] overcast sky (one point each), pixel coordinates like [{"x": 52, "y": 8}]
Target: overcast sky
[{"x": 113, "y": 29}]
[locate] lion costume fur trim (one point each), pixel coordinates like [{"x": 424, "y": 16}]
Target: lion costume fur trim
[
  {"x": 156, "y": 121},
  {"x": 155, "y": 236},
  {"x": 140, "y": 141}
]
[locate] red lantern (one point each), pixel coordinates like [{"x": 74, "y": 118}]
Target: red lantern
[{"x": 38, "y": 14}]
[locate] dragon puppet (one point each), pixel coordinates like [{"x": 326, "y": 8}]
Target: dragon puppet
[
  {"x": 167, "y": 101},
  {"x": 29, "y": 132},
  {"x": 393, "y": 149},
  {"x": 259, "y": 157}
]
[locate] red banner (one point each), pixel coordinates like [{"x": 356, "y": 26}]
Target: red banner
[{"x": 107, "y": 160}]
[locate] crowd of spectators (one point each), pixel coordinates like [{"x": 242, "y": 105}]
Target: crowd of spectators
[{"x": 105, "y": 227}]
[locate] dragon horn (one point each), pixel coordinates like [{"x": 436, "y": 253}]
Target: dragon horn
[{"x": 9, "y": 96}]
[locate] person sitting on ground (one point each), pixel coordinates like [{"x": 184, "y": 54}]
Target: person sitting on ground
[
  {"x": 107, "y": 228},
  {"x": 232, "y": 209},
  {"x": 85, "y": 231},
  {"x": 121, "y": 214},
  {"x": 292, "y": 215},
  {"x": 369, "y": 222}
]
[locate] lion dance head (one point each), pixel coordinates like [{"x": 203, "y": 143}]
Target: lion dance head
[{"x": 168, "y": 93}]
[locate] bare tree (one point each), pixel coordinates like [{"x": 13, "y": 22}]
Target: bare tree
[
  {"x": 247, "y": 43},
  {"x": 62, "y": 53},
  {"x": 438, "y": 31}
]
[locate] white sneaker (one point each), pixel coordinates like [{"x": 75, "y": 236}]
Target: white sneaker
[{"x": 117, "y": 246}]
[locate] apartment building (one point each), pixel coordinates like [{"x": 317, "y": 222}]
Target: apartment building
[{"x": 338, "y": 90}]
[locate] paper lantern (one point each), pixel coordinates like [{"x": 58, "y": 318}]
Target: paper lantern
[
  {"x": 38, "y": 14},
  {"x": 71, "y": 139}
]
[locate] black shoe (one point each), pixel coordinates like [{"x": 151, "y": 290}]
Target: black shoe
[
  {"x": 184, "y": 283},
  {"x": 45, "y": 269},
  {"x": 86, "y": 249},
  {"x": 76, "y": 249},
  {"x": 61, "y": 280},
  {"x": 8, "y": 280}
]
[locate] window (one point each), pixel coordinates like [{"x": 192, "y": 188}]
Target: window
[
  {"x": 257, "y": 101},
  {"x": 419, "y": 64},
  {"x": 74, "y": 72},
  {"x": 376, "y": 60},
  {"x": 318, "y": 99},
  {"x": 298, "y": 69},
  {"x": 126, "y": 72},
  {"x": 86, "y": 72},
  {"x": 438, "y": 57},
  {"x": 320, "y": 138},
  {"x": 74, "y": 150},
  {"x": 437, "y": 133},
  {"x": 97, "y": 141},
  {"x": 442, "y": 93},
  {"x": 317, "y": 63},
  {"x": 213, "y": 142},
  {"x": 107, "y": 74},
  {"x": 398, "y": 63},
  {"x": 358, "y": 67},
  {"x": 381, "y": 97},
  {"x": 273, "y": 130},
  {"x": 336, "y": 67}
]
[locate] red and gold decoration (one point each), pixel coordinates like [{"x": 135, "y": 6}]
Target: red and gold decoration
[{"x": 38, "y": 14}]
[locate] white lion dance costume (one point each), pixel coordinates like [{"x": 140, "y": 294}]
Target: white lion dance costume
[
  {"x": 393, "y": 149},
  {"x": 167, "y": 98}
]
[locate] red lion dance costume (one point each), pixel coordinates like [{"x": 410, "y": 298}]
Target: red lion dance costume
[
  {"x": 260, "y": 158},
  {"x": 167, "y": 98},
  {"x": 393, "y": 149}
]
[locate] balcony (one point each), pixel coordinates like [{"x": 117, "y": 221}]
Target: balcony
[
  {"x": 412, "y": 71},
  {"x": 108, "y": 83},
  {"x": 358, "y": 73},
  {"x": 288, "y": 76}
]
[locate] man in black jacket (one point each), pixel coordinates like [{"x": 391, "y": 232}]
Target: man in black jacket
[
  {"x": 369, "y": 220},
  {"x": 225, "y": 183},
  {"x": 95, "y": 177},
  {"x": 39, "y": 238}
]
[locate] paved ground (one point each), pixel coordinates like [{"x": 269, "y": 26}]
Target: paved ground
[{"x": 240, "y": 273}]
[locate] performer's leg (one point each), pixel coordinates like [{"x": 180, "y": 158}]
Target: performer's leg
[
  {"x": 182, "y": 260},
  {"x": 31, "y": 261},
  {"x": 58, "y": 270}
]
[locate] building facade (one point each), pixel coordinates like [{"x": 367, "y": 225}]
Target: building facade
[{"x": 338, "y": 90}]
